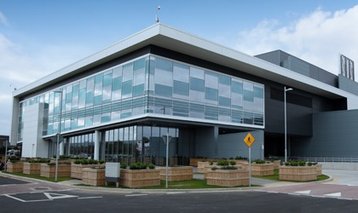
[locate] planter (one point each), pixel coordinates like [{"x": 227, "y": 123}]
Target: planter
[
  {"x": 298, "y": 173},
  {"x": 227, "y": 178},
  {"x": 31, "y": 168},
  {"x": 93, "y": 176},
  {"x": 204, "y": 166},
  {"x": 194, "y": 161},
  {"x": 244, "y": 164},
  {"x": 319, "y": 169},
  {"x": 49, "y": 170},
  {"x": 139, "y": 178},
  {"x": 276, "y": 164},
  {"x": 14, "y": 167},
  {"x": 176, "y": 173},
  {"x": 265, "y": 169},
  {"x": 76, "y": 169}
]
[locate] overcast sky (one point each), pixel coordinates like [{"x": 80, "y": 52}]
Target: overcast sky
[{"x": 38, "y": 37}]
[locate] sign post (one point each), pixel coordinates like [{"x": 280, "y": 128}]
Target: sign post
[{"x": 249, "y": 140}]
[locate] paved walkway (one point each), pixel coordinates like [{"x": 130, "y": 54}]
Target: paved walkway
[{"x": 343, "y": 177}]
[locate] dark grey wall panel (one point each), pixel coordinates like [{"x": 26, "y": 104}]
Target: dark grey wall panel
[
  {"x": 231, "y": 145},
  {"x": 347, "y": 85},
  {"x": 335, "y": 134}
]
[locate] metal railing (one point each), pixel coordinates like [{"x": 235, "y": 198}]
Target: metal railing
[{"x": 327, "y": 159}]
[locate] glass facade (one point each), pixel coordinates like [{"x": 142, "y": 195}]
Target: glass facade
[
  {"x": 141, "y": 143},
  {"x": 151, "y": 84},
  {"x": 80, "y": 145}
]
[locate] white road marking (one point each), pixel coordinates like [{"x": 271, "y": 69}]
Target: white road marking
[
  {"x": 174, "y": 193},
  {"x": 336, "y": 194},
  {"x": 58, "y": 196},
  {"x": 306, "y": 192},
  {"x": 24, "y": 201},
  {"x": 94, "y": 197},
  {"x": 136, "y": 195}
]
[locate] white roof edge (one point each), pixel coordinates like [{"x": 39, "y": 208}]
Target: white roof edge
[
  {"x": 251, "y": 60},
  {"x": 192, "y": 40}
]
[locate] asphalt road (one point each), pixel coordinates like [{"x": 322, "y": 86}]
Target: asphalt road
[{"x": 242, "y": 201}]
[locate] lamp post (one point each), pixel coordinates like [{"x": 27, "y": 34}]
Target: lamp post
[
  {"x": 167, "y": 160},
  {"x": 6, "y": 155},
  {"x": 285, "y": 90},
  {"x": 58, "y": 133}
]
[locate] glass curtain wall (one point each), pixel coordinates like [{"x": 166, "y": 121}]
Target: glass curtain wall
[
  {"x": 80, "y": 146},
  {"x": 151, "y": 84},
  {"x": 142, "y": 143}
]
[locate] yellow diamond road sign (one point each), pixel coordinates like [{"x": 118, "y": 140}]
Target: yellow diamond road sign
[{"x": 249, "y": 139}]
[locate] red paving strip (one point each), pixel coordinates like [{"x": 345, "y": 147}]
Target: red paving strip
[{"x": 318, "y": 189}]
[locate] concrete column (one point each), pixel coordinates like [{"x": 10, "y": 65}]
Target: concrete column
[
  {"x": 62, "y": 147},
  {"x": 216, "y": 141},
  {"x": 97, "y": 143}
]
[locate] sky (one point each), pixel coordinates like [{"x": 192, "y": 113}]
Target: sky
[{"x": 38, "y": 37}]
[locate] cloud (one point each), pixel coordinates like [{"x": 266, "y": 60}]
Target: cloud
[
  {"x": 318, "y": 37},
  {"x": 20, "y": 66},
  {"x": 3, "y": 19}
]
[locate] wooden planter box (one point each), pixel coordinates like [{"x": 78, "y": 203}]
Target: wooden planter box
[
  {"x": 243, "y": 164},
  {"x": 14, "y": 167},
  {"x": 49, "y": 170},
  {"x": 319, "y": 169},
  {"x": 194, "y": 161},
  {"x": 176, "y": 173},
  {"x": 76, "y": 170},
  {"x": 31, "y": 168},
  {"x": 139, "y": 178},
  {"x": 265, "y": 169},
  {"x": 93, "y": 176},
  {"x": 203, "y": 166},
  {"x": 227, "y": 178},
  {"x": 276, "y": 164},
  {"x": 298, "y": 173}
]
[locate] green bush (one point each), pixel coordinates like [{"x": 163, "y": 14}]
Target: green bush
[
  {"x": 258, "y": 161},
  {"x": 232, "y": 163},
  {"x": 140, "y": 165},
  {"x": 223, "y": 163},
  {"x": 228, "y": 167},
  {"x": 295, "y": 163},
  {"x": 123, "y": 165},
  {"x": 88, "y": 161},
  {"x": 39, "y": 160},
  {"x": 240, "y": 158}
]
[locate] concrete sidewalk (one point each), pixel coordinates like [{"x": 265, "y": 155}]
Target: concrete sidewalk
[{"x": 342, "y": 177}]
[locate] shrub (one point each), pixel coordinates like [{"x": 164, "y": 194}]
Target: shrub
[
  {"x": 258, "y": 161},
  {"x": 87, "y": 161},
  {"x": 223, "y": 163},
  {"x": 140, "y": 165},
  {"x": 229, "y": 168},
  {"x": 232, "y": 163},
  {"x": 296, "y": 163},
  {"x": 39, "y": 160},
  {"x": 123, "y": 165},
  {"x": 151, "y": 166},
  {"x": 240, "y": 158}
]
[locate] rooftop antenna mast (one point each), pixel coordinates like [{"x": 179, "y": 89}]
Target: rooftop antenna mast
[{"x": 157, "y": 15}]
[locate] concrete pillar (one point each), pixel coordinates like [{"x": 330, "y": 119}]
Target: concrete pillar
[
  {"x": 62, "y": 147},
  {"x": 97, "y": 143},
  {"x": 216, "y": 136}
]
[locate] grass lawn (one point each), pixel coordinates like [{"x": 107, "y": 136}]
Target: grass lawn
[
  {"x": 59, "y": 179},
  {"x": 187, "y": 184},
  {"x": 276, "y": 175}
]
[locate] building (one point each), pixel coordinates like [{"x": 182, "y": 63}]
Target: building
[{"x": 161, "y": 84}]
